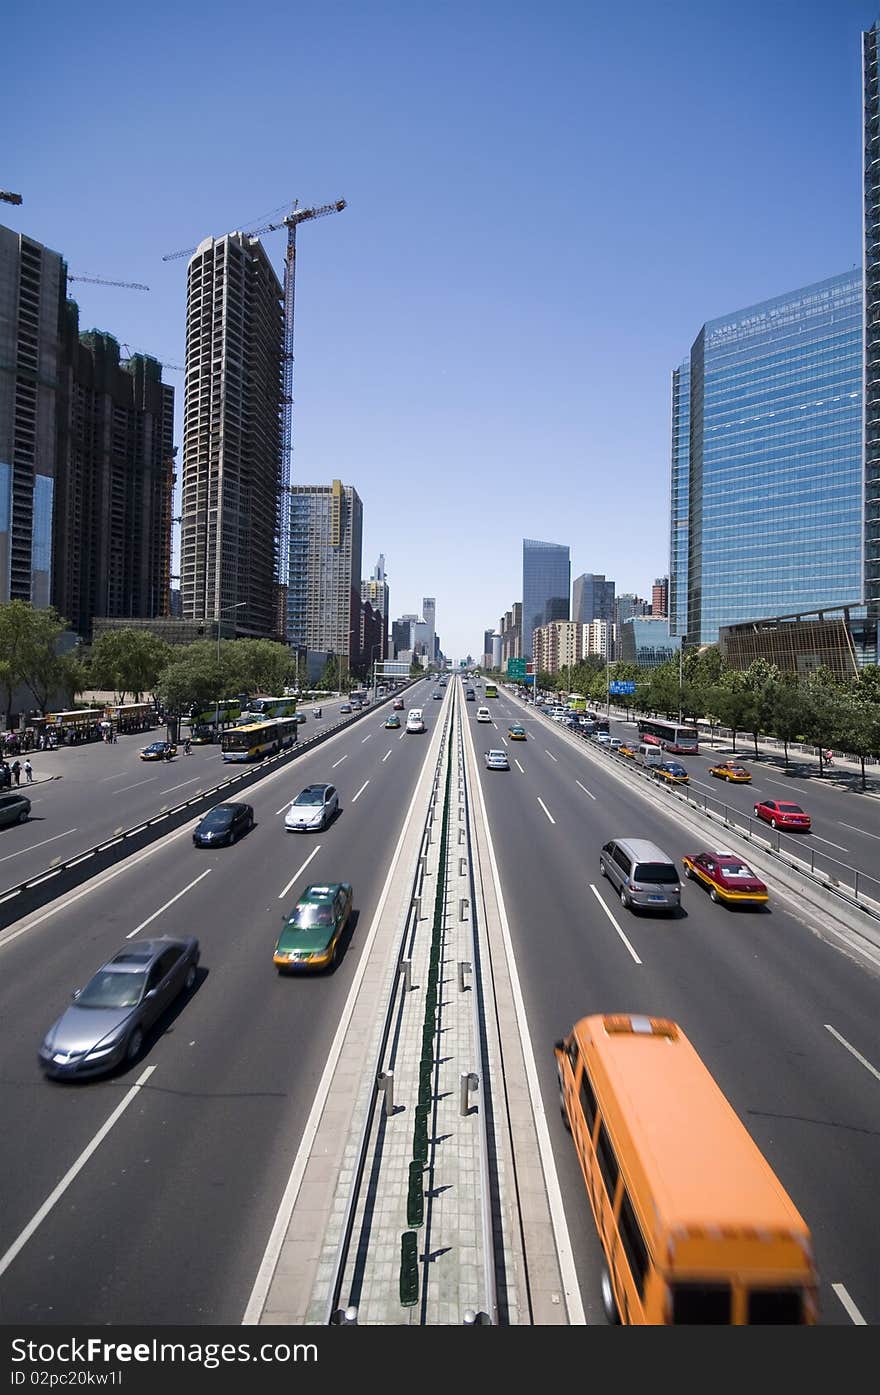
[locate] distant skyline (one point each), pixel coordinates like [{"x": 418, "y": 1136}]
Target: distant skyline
[{"x": 544, "y": 206}]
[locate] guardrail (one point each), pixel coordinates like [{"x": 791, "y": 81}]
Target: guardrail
[{"x": 61, "y": 877}]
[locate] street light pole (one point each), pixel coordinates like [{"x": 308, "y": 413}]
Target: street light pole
[
  {"x": 222, "y": 611},
  {"x": 680, "y": 675}
]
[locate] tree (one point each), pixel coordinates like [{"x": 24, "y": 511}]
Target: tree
[
  {"x": 731, "y": 703},
  {"x": 189, "y": 679},
  {"x": 329, "y": 680},
  {"x": 758, "y": 679},
  {"x": 787, "y": 710},
  {"x": 824, "y": 714},
  {"x": 129, "y": 661},
  {"x": 256, "y": 666},
  {"x": 859, "y": 726},
  {"x": 29, "y": 653}
]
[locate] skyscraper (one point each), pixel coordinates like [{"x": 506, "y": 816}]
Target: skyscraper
[
  {"x": 679, "y": 497},
  {"x": 375, "y": 592},
  {"x": 232, "y": 436},
  {"x": 324, "y": 595},
  {"x": 775, "y": 509},
  {"x": 546, "y": 587},
  {"x": 33, "y": 287},
  {"x": 429, "y": 615},
  {"x": 871, "y": 185},
  {"x": 660, "y": 596},
  {"x": 592, "y": 598}
]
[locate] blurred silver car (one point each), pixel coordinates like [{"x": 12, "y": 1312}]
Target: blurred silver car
[
  {"x": 313, "y": 808},
  {"x": 108, "y": 1019},
  {"x": 497, "y": 760}
]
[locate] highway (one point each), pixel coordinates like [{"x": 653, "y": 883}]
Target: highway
[
  {"x": 777, "y": 1013},
  {"x": 106, "y": 788},
  {"x": 167, "y": 1219}
]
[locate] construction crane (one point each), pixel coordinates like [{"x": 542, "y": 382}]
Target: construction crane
[
  {"x": 99, "y": 281},
  {"x": 173, "y": 367},
  {"x": 6, "y": 197},
  {"x": 291, "y": 222}
]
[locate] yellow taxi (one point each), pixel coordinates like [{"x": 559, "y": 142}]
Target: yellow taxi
[
  {"x": 672, "y": 771},
  {"x": 517, "y": 733},
  {"x": 159, "y": 750},
  {"x": 729, "y": 770},
  {"x": 628, "y": 748}
]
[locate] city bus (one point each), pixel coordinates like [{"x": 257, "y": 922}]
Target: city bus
[
  {"x": 695, "y": 1226},
  {"x": 271, "y": 706},
  {"x": 258, "y": 739},
  {"x": 576, "y": 702},
  {"x": 490, "y": 690},
  {"x": 672, "y": 736},
  {"x": 83, "y": 724},
  {"x": 130, "y": 716}
]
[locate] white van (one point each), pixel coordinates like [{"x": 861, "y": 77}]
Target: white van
[
  {"x": 414, "y": 720},
  {"x": 648, "y": 754}
]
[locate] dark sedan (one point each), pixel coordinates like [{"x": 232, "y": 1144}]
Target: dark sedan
[
  {"x": 108, "y": 1019},
  {"x": 223, "y": 825}
]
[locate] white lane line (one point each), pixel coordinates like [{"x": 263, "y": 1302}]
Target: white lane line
[
  {"x": 37, "y": 1220},
  {"x": 519, "y": 767},
  {"x": 31, "y": 846},
  {"x": 546, "y": 810},
  {"x": 148, "y": 781},
  {"x": 550, "y": 754},
  {"x": 366, "y": 738},
  {"x": 703, "y": 785},
  {"x": 169, "y": 788},
  {"x": 614, "y": 923},
  {"x": 360, "y": 791},
  {"x": 339, "y": 762},
  {"x": 145, "y": 923},
  {"x": 849, "y": 1305},
  {"x": 504, "y": 741},
  {"x": 385, "y": 757},
  {"x": 852, "y": 1050},
  {"x": 859, "y": 830},
  {"x": 121, "y": 776},
  {"x": 585, "y": 790},
  {"x": 830, "y": 844},
  {"x": 401, "y": 736},
  {"x": 282, "y": 894},
  {"x": 284, "y": 806}
]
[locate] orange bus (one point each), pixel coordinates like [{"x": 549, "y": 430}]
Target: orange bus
[{"x": 694, "y": 1223}]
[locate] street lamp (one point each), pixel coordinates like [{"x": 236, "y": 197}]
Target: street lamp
[
  {"x": 222, "y": 611},
  {"x": 373, "y": 648}
]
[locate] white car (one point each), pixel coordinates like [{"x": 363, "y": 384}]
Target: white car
[
  {"x": 603, "y": 738},
  {"x": 414, "y": 720},
  {"x": 313, "y": 808},
  {"x": 497, "y": 760},
  {"x": 483, "y": 714}
]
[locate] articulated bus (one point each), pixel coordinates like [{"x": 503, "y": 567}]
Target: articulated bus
[
  {"x": 490, "y": 690},
  {"x": 258, "y": 739},
  {"x": 670, "y": 735},
  {"x": 271, "y": 706}
]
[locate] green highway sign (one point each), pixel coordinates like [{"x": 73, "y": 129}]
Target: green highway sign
[{"x": 516, "y": 668}]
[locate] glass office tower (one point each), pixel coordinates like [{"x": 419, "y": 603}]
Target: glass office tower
[
  {"x": 775, "y": 490},
  {"x": 679, "y": 494},
  {"x": 546, "y": 587},
  {"x": 871, "y": 154}
]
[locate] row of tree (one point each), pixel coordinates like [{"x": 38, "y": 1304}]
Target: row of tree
[{"x": 821, "y": 709}]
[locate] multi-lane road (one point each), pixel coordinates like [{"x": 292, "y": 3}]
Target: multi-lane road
[{"x": 149, "y": 1197}]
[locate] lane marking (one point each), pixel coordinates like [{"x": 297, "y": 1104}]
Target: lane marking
[
  {"x": 339, "y": 762},
  {"x": 367, "y": 737},
  {"x": 360, "y": 791},
  {"x": 314, "y": 853},
  {"x": 820, "y": 839},
  {"x": 401, "y": 736},
  {"x": 284, "y": 806},
  {"x": 169, "y": 788},
  {"x": 144, "y": 923},
  {"x": 37, "y": 1220},
  {"x": 585, "y": 790},
  {"x": 149, "y": 780},
  {"x": 546, "y": 810},
  {"x": 859, "y": 830},
  {"x": 31, "y": 846},
  {"x": 852, "y": 1050},
  {"x": 550, "y": 754},
  {"x": 121, "y": 776},
  {"x": 849, "y": 1305},
  {"x": 504, "y": 740},
  {"x": 519, "y": 767},
  {"x": 386, "y": 755},
  {"x": 614, "y": 923}
]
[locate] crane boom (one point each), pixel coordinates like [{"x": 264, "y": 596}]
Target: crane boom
[{"x": 99, "y": 281}]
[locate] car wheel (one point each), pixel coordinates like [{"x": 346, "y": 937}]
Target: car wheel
[
  {"x": 624, "y": 899},
  {"x": 713, "y": 894},
  {"x": 250, "y": 822},
  {"x": 23, "y": 816},
  {"x": 189, "y": 982},
  {"x": 689, "y": 873},
  {"x": 135, "y": 1042},
  {"x": 772, "y": 823},
  {"x": 602, "y": 872},
  {"x": 609, "y": 1306}
]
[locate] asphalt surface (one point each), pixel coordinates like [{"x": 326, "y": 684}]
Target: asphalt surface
[
  {"x": 168, "y": 1218},
  {"x": 753, "y": 991},
  {"x": 103, "y": 789}
]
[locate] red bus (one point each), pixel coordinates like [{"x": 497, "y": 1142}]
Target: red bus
[{"x": 671, "y": 736}]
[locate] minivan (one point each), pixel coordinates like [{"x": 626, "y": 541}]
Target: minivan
[
  {"x": 644, "y": 875},
  {"x": 650, "y": 754},
  {"x": 414, "y": 721}
]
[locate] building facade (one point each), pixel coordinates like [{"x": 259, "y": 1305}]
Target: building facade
[
  {"x": 429, "y": 615},
  {"x": 592, "y": 598},
  {"x": 660, "y": 597},
  {"x": 645, "y": 640},
  {"x": 679, "y": 497},
  {"x": 546, "y": 587},
  {"x": 871, "y": 393},
  {"x": 375, "y": 591},
  {"x": 324, "y": 588},
  {"x": 232, "y": 437},
  {"x": 486, "y": 659},
  {"x": 599, "y": 638},
  {"x": 510, "y": 628},
  {"x": 776, "y": 477},
  {"x": 628, "y": 605}
]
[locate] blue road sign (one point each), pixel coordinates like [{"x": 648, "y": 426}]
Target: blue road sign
[{"x": 622, "y": 686}]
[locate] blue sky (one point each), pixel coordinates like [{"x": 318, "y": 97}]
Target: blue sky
[{"x": 545, "y": 203}]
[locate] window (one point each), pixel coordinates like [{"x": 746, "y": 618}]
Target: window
[
  {"x": 633, "y": 1242},
  {"x": 607, "y": 1162},
  {"x": 622, "y": 861},
  {"x": 779, "y": 1307},
  {"x": 588, "y": 1101},
  {"x": 701, "y": 1304}
]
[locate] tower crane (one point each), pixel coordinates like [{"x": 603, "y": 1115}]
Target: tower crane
[
  {"x": 291, "y": 222},
  {"x": 99, "y": 281},
  {"x": 173, "y": 367},
  {"x": 6, "y": 197}
]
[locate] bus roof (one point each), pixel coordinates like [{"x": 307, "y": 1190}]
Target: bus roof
[{"x": 702, "y": 1169}]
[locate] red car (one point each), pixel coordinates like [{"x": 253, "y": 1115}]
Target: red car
[
  {"x": 726, "y": 877},
  {"x": 779, "y": 814}
]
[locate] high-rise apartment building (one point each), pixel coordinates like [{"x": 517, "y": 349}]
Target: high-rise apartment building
[
  {"x": 375, "y": 592},
  {"x": 546, "y": 587},
  {"x": 510, "y": 629},
  {"x": 626, "y": 606},
  {"x": 775, "y": 461},
  {"x": 486, "y": 660},
  {"x": 33, "y": 288},
  {"x": 324, "y": 591},
  {"x": 232, "y": 436},
  {"x": 660, "y": 597},
  {"x": 429, "y": 615},
  {"x": 679, "y": 497},
  {"x": 114, "y": 482},
  {"x": 592, "y": 598}
]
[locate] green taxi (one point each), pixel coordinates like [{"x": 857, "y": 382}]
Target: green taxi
[{"x": 310, "y": 935}]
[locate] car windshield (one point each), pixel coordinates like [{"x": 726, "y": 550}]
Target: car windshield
[
  {"x": 735, "y": 869},
  {"x": 310, "y": 915},
  {"x": 113, "y": 990},
  {"x": 310, "y": 797},
  {"x": 790, "y": 809},
  {"x": 656, "y": 872},
  {"x": 218, "y": 818}
]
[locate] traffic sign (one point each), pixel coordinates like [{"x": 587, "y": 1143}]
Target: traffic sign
[
  {"x": 516, "y": 668},
  {"x": 620, "y": 685}
]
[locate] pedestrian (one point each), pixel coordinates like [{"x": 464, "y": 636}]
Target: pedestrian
[
  {"x": 29, "y": 772},
  {"x": 113, "y": 735},
  {"x": 827, "y": 757},
  {"x": 16, "y": 771},
  {"x": 5, "y": 776},
  {"x": 186, "y": 747}
]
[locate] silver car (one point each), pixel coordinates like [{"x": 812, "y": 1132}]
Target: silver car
[
  {"x": 497, "y": 760},
  {"x": 108, "y": 1019},
  {"x": 312, "y": 809},
  {"x": 643, "y": 874}
]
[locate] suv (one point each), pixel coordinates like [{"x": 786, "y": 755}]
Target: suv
[{"x": 643, "y": 874}]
